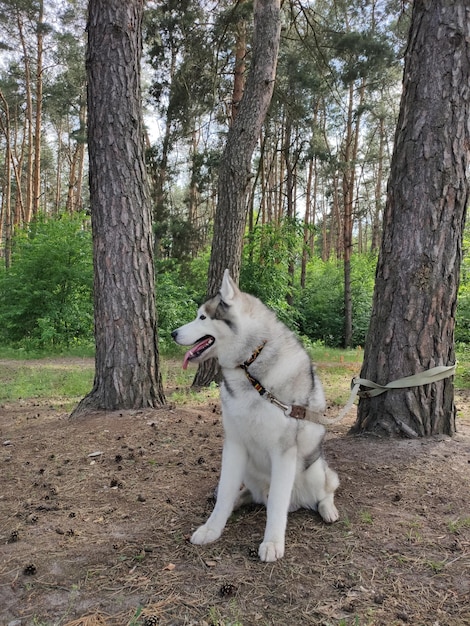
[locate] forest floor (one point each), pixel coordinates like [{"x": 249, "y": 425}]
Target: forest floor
[{"x": 95, "y": 515}]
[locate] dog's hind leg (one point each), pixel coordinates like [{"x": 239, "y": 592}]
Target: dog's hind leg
[
  {"x": 231, "y": 477},
  {"x": 282, "y": 480},
  {"x": 321, "y": 483},
  {"x": 326, "y": 506}
]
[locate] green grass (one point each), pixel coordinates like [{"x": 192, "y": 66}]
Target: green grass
[
  {"x": 45, "y": 379},
  {"x": 23, "y": 378},
  {"x": 23, "y": 354},
  {"x": 48, "y": 378},
  {"x": 323, "y": 354},
  {"x": 456, "y": 525}
]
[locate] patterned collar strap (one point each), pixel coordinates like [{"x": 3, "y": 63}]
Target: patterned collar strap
[
  {"x": 254, "y": 356},
  {"x": 295, "y": 411}
]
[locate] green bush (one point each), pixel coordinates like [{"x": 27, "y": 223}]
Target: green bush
[
  {"x": 46, "y": 294},
  {"x": 362, "y": 290},
  {"x": 267, "y": 254},
  {"x": 176, "y": 304},
  {"x": 462, "y": 325},
  {"x": 321, "y": 304}
]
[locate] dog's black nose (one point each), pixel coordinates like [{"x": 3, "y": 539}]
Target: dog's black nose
[{"x": 174, "y": 334}]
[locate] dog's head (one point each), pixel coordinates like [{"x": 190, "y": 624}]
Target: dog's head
[{"x": 214, "y": 322}]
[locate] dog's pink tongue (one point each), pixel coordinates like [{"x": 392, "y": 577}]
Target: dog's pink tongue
[
  {"x": 187, "y": 358},
  {"x": 199, "y": 347}
]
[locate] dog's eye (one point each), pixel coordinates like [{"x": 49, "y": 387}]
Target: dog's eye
[{"x": 202, "y": 317}]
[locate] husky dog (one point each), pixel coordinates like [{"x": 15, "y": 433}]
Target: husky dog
[{"x": 269, "y": 457}]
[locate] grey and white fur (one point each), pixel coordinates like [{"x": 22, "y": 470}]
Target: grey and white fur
[{"x": 267, "y": 457}]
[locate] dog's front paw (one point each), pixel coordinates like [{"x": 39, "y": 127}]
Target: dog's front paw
[
  {"x": 205, "y": 534},
  {"x": 270, "y": 551},
  {"x": 328, "y": 511}
]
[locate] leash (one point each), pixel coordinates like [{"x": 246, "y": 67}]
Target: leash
[
  {"x": 427, "y": 377},
  {"x": 423, "y": 378}
]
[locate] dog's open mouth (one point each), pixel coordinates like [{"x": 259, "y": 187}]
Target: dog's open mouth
[{"x": 201, "y": 346}]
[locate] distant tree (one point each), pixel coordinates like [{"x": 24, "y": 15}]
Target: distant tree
[
  {"x": 235, "y": 167},
  {"x": 24, "y": 37},
  {"x": 178, "y": 40},
  {"x": 413, "y": 317},
  {"x": 127, "y": 361},
  {"x": 65, "y": 109}
]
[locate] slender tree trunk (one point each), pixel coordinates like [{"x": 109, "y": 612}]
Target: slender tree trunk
[
  {"x": 309, "y": 222},
  {"x": 16, "y": 163},
  {"x": 78, "y": 198},
  {"x": 127, "y": 365},
  {"x": 193, "y": 191},
  {"x": 28, "y": 133},
  {"x": 72, "y": 180},
  {"x": 413, "y": 316},
  {"x": 5, "y": 216},
  {"x": 161, "y": 171},
  {"x": 58, "y": 174},
  {"x": 235, "y": 169},
  {"x": 349, "y": 179},
  {"x": 36, "y": 191},
  {"x": 254, "y": 187},
  {"x": 240, "y": 66},
  {"x": 336, "y": 226},
  {"x": 378, "y": 189},
  {"x": 290, "y": 195}
]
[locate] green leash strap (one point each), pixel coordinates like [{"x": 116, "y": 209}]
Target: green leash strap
[{"x": 423, "y": 378}]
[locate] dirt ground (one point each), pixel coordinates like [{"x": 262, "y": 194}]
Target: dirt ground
[{"x": 95, "y": 515}]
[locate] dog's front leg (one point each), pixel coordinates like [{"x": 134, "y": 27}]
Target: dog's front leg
[
  {"x": 282, "y": 481},
  {"x": 231, "y": 477}
]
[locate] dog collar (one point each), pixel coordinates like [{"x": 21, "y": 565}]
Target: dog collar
[
  {"x": 254, "y": 356},
  {"x": 295, "y": 411}
]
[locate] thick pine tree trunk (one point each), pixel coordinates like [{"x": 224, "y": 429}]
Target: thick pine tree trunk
[
  {"x": 235, "y": 168},
  {"x": 127, "y": 366},
  {"x": 413, "y": 317}
]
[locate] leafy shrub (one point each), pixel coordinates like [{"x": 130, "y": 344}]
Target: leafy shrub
[
  {"x": 321, "y": 303},
  {"x": 175, "y": 306},
  {"x": 181, "y": 288},
  {"x": 46, "y": 294},
  {"x": 362, "y": 290},
  {"x": 267, "y": 254},
  {"x": 462, "y": 326}
]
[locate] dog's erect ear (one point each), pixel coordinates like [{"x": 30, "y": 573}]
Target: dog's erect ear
[{"x": 228, "y": 290}]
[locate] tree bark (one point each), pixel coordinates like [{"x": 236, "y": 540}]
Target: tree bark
[
  {"x": 235, "y": 168},
  {"x": 127, "y": 365},
  {"x": 413, "y": 317}
]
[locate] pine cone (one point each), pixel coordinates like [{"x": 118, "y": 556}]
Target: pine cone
[
  {"x": 30, "y": 570},
  {"x": 227, "y": 590}
]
